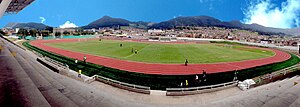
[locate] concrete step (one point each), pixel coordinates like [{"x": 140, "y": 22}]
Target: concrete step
[
  {"x": 30, "y": 94},
  {"x": 52, "y": 95},
  {"x": 257, "y": 97},
  {"x": 60, "y": 90},
  {"x": 274, "y": 85},
  {"x": 71, "y": 93},
  {"x": 289, "y": 97}
]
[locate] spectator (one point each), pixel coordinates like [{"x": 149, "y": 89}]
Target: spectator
[
  {"x": 204, "y": 76},
  {"x": 235, "y": 75},
  {"x": 270, "y": 77},
  {"x": 79, "y": 73},
  {"x": 76, "y": 61},
  {"x": 186, "y": 82},
  {"x": 197, "y": 81}
]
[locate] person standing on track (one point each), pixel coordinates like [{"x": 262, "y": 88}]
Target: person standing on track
[
  {"x": 186, "y": 62},
  {"x": 84, "y": 59}
]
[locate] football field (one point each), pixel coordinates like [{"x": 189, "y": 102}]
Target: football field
[{"x": 166, "y": 53}]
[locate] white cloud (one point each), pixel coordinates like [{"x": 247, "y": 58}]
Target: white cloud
[
  {"x": 68, "y": 24},
  {"x": 265, "y": 13},
  {"x": 42, "y": 19}
]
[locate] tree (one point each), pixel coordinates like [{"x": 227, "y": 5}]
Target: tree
[
  {"x": 45, "y": 32},
  {"x": 66, "y": 33},
  {"x": 50, "y": 29},
  {"x": 23, "y": 33},
  {"x": 57, "y": 34},
  {"x": 33, "y": 32},
  {"x": 2, "y": 33}
]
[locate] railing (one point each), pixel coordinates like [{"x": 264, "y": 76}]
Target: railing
[
  {"x": 38, "y": 54},
  {"x": 270, "y": 77},
  {"x": 126, "y": 86},
  {"x": 59, "y": 64},
  {"x": 198, "y": 90},
  {"x": 64, "y": 70}
]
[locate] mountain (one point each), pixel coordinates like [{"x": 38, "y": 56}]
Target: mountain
[
  {"x": 107, "y": 21},
  {"x": 200, "y": 21},
  {"x": 294, "y": 31},
  {"x": 266, "y": 30},
  {"x": 30, "y": 25},
  {"x": 206, "y": 21}
]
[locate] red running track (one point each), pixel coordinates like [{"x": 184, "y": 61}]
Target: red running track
[{"x": 163, "y": 69}]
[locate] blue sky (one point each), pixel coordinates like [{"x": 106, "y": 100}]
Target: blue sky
[{"x": 82, "y": 12}]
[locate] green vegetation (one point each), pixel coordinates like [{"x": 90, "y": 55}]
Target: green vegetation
[
  {"x": 165, "y": 53},
  {"x": 163, "y": 81}
]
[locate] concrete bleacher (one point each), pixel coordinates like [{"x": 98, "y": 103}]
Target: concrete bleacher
[
  {"x": 40, "y": 86},
  {"x": 45, "y": 87},
  {"x": 24, "y": 88},
  {"x": 283, "y": 93}
]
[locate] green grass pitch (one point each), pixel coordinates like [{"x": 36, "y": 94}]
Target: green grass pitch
[{"x": 165, "y": 53}]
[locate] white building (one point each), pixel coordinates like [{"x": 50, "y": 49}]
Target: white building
[{"x": 155, "y": 31}]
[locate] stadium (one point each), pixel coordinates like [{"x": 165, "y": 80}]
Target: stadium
[
  {"x": 161, "y": 65},
  {"x": 187, "y": 61}
]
